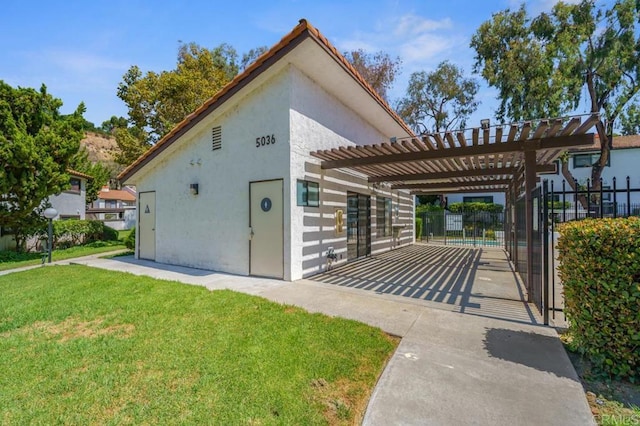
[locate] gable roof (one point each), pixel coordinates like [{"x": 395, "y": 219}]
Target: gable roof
[
  {"x": 116, "y": 194},
  {"x": 304, "y": 30}
]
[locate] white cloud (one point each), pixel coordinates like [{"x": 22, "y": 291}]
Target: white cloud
[
  {"x": 81, "y": 62},
  {"x": 417, "y": 40}
]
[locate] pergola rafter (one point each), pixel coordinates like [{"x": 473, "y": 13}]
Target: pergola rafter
[{"x": 496, "y": 159}]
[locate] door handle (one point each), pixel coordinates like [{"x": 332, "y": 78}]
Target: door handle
[{"x": 251, "y": 234}]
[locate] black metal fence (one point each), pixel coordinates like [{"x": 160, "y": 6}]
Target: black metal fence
[
  {"x": 577, "y": 203},
  {"x": 464, "y": 228}
]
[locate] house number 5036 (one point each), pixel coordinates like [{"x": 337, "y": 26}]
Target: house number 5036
[{"x": 265, "y": 140}]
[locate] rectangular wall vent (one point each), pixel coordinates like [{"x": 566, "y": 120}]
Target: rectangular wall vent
[{"x": 216, "y": 138}]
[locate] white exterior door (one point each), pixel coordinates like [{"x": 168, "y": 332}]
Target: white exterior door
[
  {"x": 147, "y": 225},
  {"x": 266, "y": 248}
]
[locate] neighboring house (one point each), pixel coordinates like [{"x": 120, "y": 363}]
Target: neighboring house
[
  {"x": 115, "y": 207},
  {"x": 70, "y": 204},
  {"x": 234, "y": 187},
  {"x": 624, "y": 159},
  {"x": 483, "y": 197}
]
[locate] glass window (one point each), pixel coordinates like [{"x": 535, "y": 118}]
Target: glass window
[
  {"x": 383, "y": 217},
  {"x": 74, "y": 184},
  {"x": 308, "y": 193},
  {"x": 588, "y": 160}
]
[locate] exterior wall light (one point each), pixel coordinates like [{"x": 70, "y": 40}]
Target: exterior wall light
[{"x": 193, "y": 188}]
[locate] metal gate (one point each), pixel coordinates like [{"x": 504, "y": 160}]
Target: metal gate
[
  {"x": 534, "y": 282},
  {"x": 464, "y": 228}
]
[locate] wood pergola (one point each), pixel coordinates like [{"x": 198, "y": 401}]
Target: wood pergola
[{"x": 503, "y": 158}]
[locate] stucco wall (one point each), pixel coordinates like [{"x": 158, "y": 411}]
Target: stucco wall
[
  {"x": 70, "y": 203},
  {"x": 320, "y": 121},
  {"x": 211, "y": 230}
]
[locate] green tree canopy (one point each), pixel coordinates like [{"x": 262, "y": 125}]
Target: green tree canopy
[
  {"x": 547, "y": 65},
  {"x": 37, "y": 144},
  {"x": 440, "y": 100},
  {"x": 378, "y": 69},
  {"x": 158, "y": 101}
]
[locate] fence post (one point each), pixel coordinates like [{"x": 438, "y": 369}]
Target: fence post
[
  {"x": 553, "y": 255},
  {"x": 545, "y": 252},
  {"x": 601, "y": 201},
  {"x": 615, "y": 199},
  {"x": 588, "y": 197},
  {"x": 575, "y": 199},
  {"x": 628, "y": 196},
  {"x": 564, "y": 201}
]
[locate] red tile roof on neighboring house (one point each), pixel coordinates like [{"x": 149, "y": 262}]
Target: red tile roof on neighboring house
[
  {"x": 116, "y": 194},
  {"x": 302, "y": 31},
  {"x": 619, "y": 142}
]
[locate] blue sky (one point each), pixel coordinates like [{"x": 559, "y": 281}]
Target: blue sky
[{"x": 81, "y": 49}]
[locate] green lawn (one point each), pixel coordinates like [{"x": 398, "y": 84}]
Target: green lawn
[
  {"x": 84, "y": 346},
  {"x": 11, "y": 260}
]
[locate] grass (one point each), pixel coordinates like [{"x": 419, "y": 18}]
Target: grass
[
  {"x": 83, "y": 346},
  {"x": 123, "y": 234},
  {"x": 11, "y": 260},
  {"x": 612, "y": 402}
]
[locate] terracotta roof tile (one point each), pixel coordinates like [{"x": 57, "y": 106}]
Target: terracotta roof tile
[
  {"x": 302, "y": 29},
  {"x": 619, "y": 142},
  {"x": 79, "y": 174},
  {"x": 116, "y": 194}
]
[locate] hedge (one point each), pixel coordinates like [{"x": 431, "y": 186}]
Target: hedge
[
  {"x": 130, "y": 241},
  {"x": 418, "y": 228},
  {"x": 600, "y": 271},
  {"x": 73, "y": 232}
]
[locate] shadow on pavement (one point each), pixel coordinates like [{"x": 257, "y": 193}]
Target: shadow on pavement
[{"x": 526, "y": 348}]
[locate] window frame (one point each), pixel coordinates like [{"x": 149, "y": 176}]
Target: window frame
[
  {"x": 302, "y": 193},
  {"x": 592, "y": 158},
  {"x": 71, "y": 186},
  {"x": 384, "y": 211}
]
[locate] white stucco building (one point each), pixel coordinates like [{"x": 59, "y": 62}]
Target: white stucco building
[
  {"x": 116, "y": 208},
  {"x": 234, "y": 188}
]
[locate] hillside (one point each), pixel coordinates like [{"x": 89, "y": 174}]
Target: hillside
[{"x": 102, "y": 149}]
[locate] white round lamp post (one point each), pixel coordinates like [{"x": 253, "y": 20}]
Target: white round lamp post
[{"x": 50, "y": 213}]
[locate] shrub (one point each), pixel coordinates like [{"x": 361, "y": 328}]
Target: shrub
[
  {"x": 74, "y": 232},
  {"x": 490, "y": 234},
  {"x": 418, "y": 228},
  {"x": 475, "y": 207},
  {"x": 109, "y": 234},
  {"x": 600, "y": 271},
  {"x": 130, "y": 241},
  {"x": 427, "y": 208}
]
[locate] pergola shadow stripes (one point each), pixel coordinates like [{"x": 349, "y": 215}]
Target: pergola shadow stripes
[{"x": 503, "y": 158}]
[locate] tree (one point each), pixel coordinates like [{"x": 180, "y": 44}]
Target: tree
[
  {"x": 158, "y": 101},
  {"x": 542, "y": 65},
  {"x": 630, "y": 120},
  {"x": 439, "y": 101},
  {"x": 80, "y": 162},
  {"x": 110, "y": 125},
  {"x": 36, "y": 146},
  {"x": 250, "y": 57},
  {"x": 378, "y": 69}
]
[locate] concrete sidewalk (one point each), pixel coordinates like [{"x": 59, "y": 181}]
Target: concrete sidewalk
[{"x": 450, "y": 367}]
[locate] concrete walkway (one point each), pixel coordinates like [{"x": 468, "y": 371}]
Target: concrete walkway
[{"x": 468, "y": 355}]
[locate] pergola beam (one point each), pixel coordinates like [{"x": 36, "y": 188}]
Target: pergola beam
[
  {"x": 465, "y": 151},
  {"x": 452, "y": 185},
  {"x": 458, "y": 191},
  {"x": 498, "y": 171}
]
